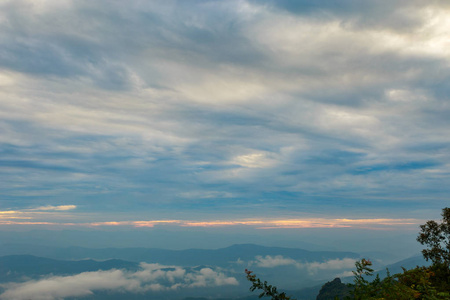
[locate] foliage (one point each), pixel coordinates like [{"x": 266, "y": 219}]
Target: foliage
[
  {"x": 267, "y": 290},
  {"x": 437, "y": 237},
  {"x": 427, "y": 283},
  {"x": 417, "y": 283},
  {"x": 334, "y": 290},
  {"x": 362, "y": 286}
]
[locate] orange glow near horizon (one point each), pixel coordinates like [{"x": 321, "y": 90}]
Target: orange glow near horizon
[
  {"x": 257, "y": 224},
  {"x": 153, "y": 223},
  {"x": 58, "y": 216},
  {"x": 27, "y": 223},
  {"x": 13, "y": 214}
]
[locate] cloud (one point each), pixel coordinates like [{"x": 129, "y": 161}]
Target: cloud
[
  {"x": 151, "y": 277},
  {"x": 44, "y": 215},
  {"x": 30, "y": 218},
  {"x": 333, "y": 264},
  {"x": 78, "y": 285},
  {"x": 269, "y": 261},
  {"x": 363, "y": 15},
  {"x": 261, "y": 107},
  {"x": 56, "y": 208},
  {"x": 273, "y": 261},
  {"x": 307, "y": 223}
]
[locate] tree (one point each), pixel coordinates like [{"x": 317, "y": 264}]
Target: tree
[
  {"x": 430, "y": 283},
  {"x": 437, "y": 237},
  {"x": 267, "y": 289}
]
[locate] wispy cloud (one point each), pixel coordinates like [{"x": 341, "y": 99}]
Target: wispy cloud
[
  {"x": 55, "y": 208},
  {"x": 307, "y": 223},
  {"x": 333, "y": 264},
  {"x": 44, "y": 215},
  {"x": 273, "y": 261},
  {"x": 264, "y": 107},
  {"x": 258, "y": 224},
  {"x": 151, "y": 277},
  {"x": 269, "y": 261}
]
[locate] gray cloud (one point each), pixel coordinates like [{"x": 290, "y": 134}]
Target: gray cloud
[
  {"x": 393, "y": 15},
  {"x": 267, "y": 106}
]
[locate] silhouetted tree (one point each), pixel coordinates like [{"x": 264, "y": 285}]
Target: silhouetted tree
[
  {"x": 431, "y": 283},
  {"x": 437, "y": 237},
  {"x": 267, "y": 290}
]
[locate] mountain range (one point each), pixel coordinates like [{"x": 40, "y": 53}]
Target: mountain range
[
  {"x": 300, "y": 272},
  {"x": 189, "y": 257}
]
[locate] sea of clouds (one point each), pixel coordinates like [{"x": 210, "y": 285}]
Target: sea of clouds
[{"x": 149, "y": 278}]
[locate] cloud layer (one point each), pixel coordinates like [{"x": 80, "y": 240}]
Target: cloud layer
[
  {"x": 151, "y": 277},
  {"x": 241, "y": 108},
  {"x": 330, "y": 267},
  {"x": 60, "y": 217}
]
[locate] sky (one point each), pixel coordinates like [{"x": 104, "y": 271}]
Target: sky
[{"x": 239, "y": 113}]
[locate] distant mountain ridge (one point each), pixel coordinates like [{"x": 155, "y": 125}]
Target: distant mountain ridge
[
  {"x": 409, "y": 263},
  {"x": 232, "y": 260},
  {"x": 23, "y": 267},
  {"x": 189, "y": 257}
]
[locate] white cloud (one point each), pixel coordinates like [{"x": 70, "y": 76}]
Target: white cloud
[
  {"x": 209, "y": 277},
  {"x": 78, "y": 285},
  {"x": 312, "y": 267},
  {"x": 151, "y": 277},
  {"x": 333, "y": 264},
  {"x": 273, "y": 261},
  {"x": 255, "y": 160},
  {"x": 345, "y": 274},
  {"x": 56, "y": 208}
]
